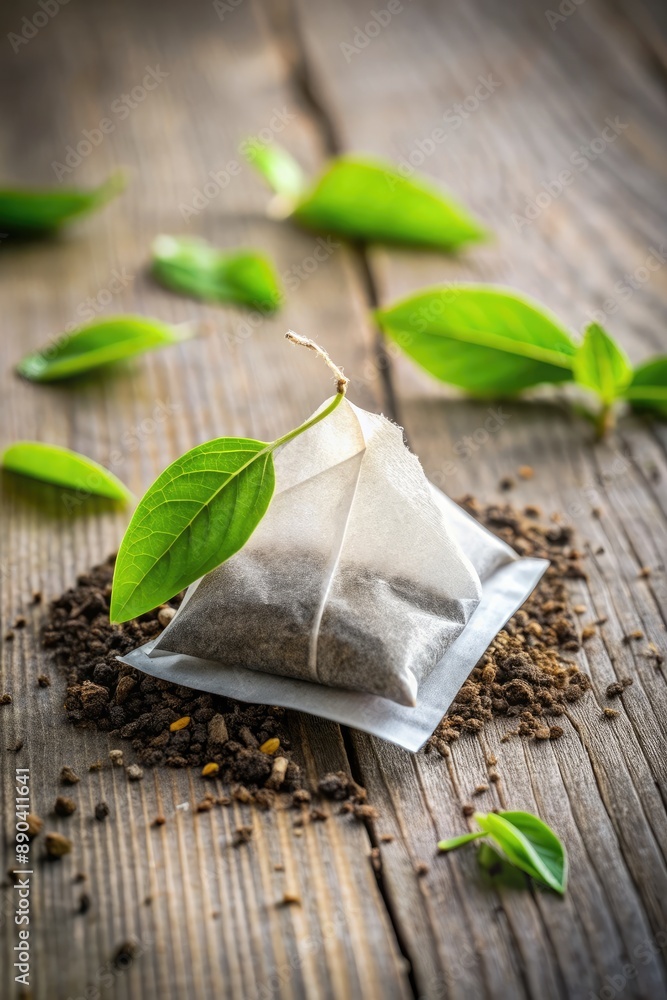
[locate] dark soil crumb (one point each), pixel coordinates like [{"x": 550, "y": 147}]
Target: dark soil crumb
[
  {"x": 524, "y": 674},
  {"x": 101, "y": 811},
  {"x": 35, "y": 824},
  {"x": 57, "y": 845},
  {"x": 242, "y": 835},
  {"x": 618, "y": 687},
  {"x": 159, "y": 821},
  {"x": 64, "y": 806},
  {"x": 421, "y": 869},
  {"x": 481, "y": 789},
  {"x": 85, "y": 903},
  {"x": 609, "y": 713},
  {"x": 68, "y": 777},
  {"x": 467, "y": 810},
  {"x": 5, "y": 699},
  {"x": 124, "y": 954},
  {"x": 43, "y": 681},
  {"x": 633, "y": 636}
]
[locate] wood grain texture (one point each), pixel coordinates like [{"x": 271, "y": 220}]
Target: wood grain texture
[
  {"x": 207, "y": 918},
  {"x": 214, "y": 925},
  {"x": 553, "y": 94}
]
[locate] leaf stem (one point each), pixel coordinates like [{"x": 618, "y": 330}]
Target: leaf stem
[
  {"x": 341, "y": 388},
  {"x": 605, "y": 421}
]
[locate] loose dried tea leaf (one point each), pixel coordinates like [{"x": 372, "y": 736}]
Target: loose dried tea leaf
[
  {"x": 101, "y": 342},
  {"x": 63, "y": 467},
  {"x": 648, "y": 388},
  {"x": 365, "y": 199},
  {"x": 488, "y": 340},
  {"x": 199, "y": 513},
  {"x": 196, "y": 268},
  {"x": 32, "y": 211}
]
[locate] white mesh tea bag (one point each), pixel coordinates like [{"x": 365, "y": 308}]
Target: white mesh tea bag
[
  {"x": 353, "y": 600},
  {"x": 352, "y": 580}
]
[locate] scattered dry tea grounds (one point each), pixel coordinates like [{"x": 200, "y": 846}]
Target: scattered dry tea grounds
[{"x": 524, "y": 675}]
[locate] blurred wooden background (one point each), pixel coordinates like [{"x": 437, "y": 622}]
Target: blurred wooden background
[{"x": 536, "y": 87}]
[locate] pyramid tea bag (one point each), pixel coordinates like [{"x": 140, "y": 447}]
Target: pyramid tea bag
[
  {"x": 364, "y": 595},
  {"x": 351, "y": 580}
]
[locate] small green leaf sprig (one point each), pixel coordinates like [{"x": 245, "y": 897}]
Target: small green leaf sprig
[
  {"x": 365, "y": 199},
  {"x": 492, "y": 341},
  {"x": 49, "y": 463},
  {"x": 201, "y": 511},
  {"x": 526, "y": 843}
]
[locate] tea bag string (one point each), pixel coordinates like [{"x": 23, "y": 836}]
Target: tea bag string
[{"x": 341, "y": 381}]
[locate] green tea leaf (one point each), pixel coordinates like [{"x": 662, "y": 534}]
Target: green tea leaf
[
  {"x": 648, "y": 387},
  {"x": 601, "y": 365},
  {"x": 99, "y": 343},
  {"x": 31, "y": 211},
  {"x": 366, "y": 200},
  {"x": 200, "y": 511},
  {"x": 63, "y": 467},
  {"x": 529, "y": 844},
  {"x": 487, "y": 340},
  {"x": 196, "y": 268},
  {"x": 280, "y": 169},
  {"x": 454, "y": 842},
  {"x": 197, "y": 514}
]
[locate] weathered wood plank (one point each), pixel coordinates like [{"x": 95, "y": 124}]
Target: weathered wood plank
[
  {"x": 206, "y": 917},
  {"x": 603, "y": 785}
]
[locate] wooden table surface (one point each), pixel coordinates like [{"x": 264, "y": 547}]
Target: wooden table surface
[{"x": 305, "y": 72}]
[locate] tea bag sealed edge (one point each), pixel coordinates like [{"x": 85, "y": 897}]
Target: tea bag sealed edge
[{"x": 507, "y": 581}]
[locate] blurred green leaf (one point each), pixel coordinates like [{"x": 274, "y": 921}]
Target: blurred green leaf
[
  {"x": 99, "y": 343},
  {"x": 31, "y": 211},
  {"x": 369, "y": 200},
  {"x": 485, "y": 339},
  {"x": 454, "y": 842},
  {"x": 599, "y": 364},
  {"x": 529, "y": 844},
  {"x": 63, "y": 467},
  {"x": 195, "y": 268},
  {"x": 648, "y": 387},
  {"x": 281, "y": 171}
]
